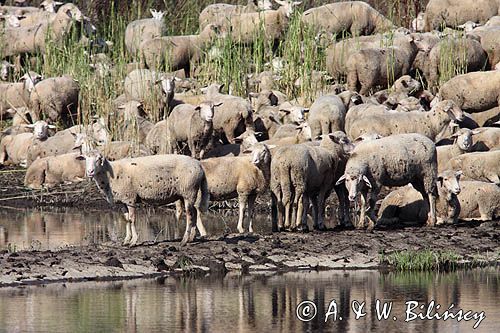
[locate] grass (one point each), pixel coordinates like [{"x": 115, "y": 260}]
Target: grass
[{"x": 422, "y": 260}]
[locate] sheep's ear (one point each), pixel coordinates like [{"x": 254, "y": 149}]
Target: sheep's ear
[
  {"x": 367, "y": 181},
  {"x": 218, "y": 104},
  {"x": 305, "y": 110},
  {"x": 341, "y": 180},
  {"x": 198, "y": 108},
  {"x": 271, "y": 146},
  {"x": 11, "y": 111},
  {"x": 79, "y": 157},
  {"x": 440, "y": 180},
  {"x": 30, "y": 126},
  {"x": 74, "y": 134},
  {"x": 285, "y": 111},
  {"x": 404, "y": 84},
  {"x": 51, "y": 126},
  {"x": 459, "y": 174},
  {"x": 477, "y": 131}
]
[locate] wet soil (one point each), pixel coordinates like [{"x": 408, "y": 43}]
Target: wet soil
[{"x": 333, "y": 249}]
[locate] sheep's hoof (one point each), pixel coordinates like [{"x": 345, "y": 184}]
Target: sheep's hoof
[
  {"x": 126, "y": 241},
  {"x": 241, "y": 230},
  {"x": 302, "y": 229},
  {"x": 320, "y": 228},
  {"x": 185, "y": 239}
]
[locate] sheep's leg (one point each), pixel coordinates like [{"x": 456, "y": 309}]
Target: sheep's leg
[
  {"x": 362, "y": 211},
  {"x": 343, "y": 210},
  {"x": 432, "y": 210},
  {"x": 275, "y": 214},
  {"x": 287, "y": 205},
  {"x": 321, "y": 211},
  {"x": 251, "y": 206},
  {"x": 199, "y": 223},
  {"x": 243, "y": 201},
  {"x": 314, "y": 205},
  {"x": 190, "y": 213},
  {"x": 131, "y": 217},
  {"x": 178, "y": 209},
  {"x": 371, "y": 209},
  {"x": 302, "y": 203}
]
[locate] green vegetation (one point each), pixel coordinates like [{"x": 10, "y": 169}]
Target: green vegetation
[{"x": 422, "y": 260}]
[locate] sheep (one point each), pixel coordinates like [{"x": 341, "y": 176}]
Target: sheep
[
  {"x": 244, "y": 27},
  {"x": 193, "y": 125},
  {"x": 451, "y": 13},
  {"x": 213, "y": 13},
  {"x": 392, "y": 161},
  {"x": 97, "y": 131},
  {"x": 244, "y": 142},
  {"x": 463, "y": 144},
  {"x": 328, "y": 112},
  {"x": 486, "y": 118},
  {"x": 52, "y": 146},
  {"x": 304, "y": 172},
  {"x": 15, "y": 148},
  {"x": 177, "y": 52},
  {"x": 356, "y": 17},
  {"x": 6, "y": 69},
  {"x": 292, "y": 114},
  {"x": 406, "y": 205},
  {"x": 479, "y": 201},
  {"x": 243, "y": 177},
  {"x": 465, "y": 52},
  {"x": 481, "y": 166},
  {"x": 473, "y": 92},
  {"x": 51, "y": 171},
  {"x": 15, "y": 95},
  {"x": 56, "y": 99},
  {"x": 290, "y": 134},
  {"x": 486, "y": 138},
  {"x": 139, "y": 31},
  {"x": 116, "y": 150},
  {"x": 161, "y": 179},
  {"x": 20, "y": 116},
  {"x": 153, "y": 89},
  {"x": 233, "y": 117},
  {"x": 10, "y": 21},
  {"x": 432, "y": 124},
  {"x": 32, "y": 39}
]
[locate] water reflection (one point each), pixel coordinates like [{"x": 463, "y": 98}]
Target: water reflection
[
  {"x": 40, "y": 229},
  {"x": 251, "y": 303}
]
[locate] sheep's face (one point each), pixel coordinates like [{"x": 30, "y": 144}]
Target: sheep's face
[
  {"x": 13, "y": 21},
  {"x": 464, "y": 139},
  {"x": 407, "y": 84},
  {"x": 296, "y": 114},
  {"x": 156, "y": 14},
  {"x": 455, "y": 113},
  {"x": 423, "y": 43},
  {"x": 206, "y": 111},
  {"x": 247, "y": 140},
  {"x": 168, "y": 85},
  {"x": 353, "y": 184},
  {"x": 50, "y": 5},
  {"x": 288, "y": 6},
  {"x": 305, "y": 130},
  {"x": 30, "y": 79},
  {"x": 418, "y": 24},
  {"x": 449, "y": 180},
  {"x": 94, "y": 162},
  {"x": 5, "y": 70},
  {"x": 261, "y": 155},
  {"x": 41, "y": 129},
  {"x": 72, "y": 12}
]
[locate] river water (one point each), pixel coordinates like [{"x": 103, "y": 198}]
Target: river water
[{"x": 252, "y": 303}]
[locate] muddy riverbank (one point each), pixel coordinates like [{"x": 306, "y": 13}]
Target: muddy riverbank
[{"x": 348, "y": 249}]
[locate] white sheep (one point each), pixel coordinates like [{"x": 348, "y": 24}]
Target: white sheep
[
  {"x": 54, "y": 170},
  {"x": 213, "y": 13},
  {"x": 139, "y": 31},
  {"x": 481, "y": 166},
  {"x": 396, "y": 160},
  {"x": 463, "y": 143},
  {"x": 161, "y": 179}
]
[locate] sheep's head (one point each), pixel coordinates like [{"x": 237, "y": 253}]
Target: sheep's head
[
  {"x": 206, "y": 110},
  {"x": 168, "y": 85},
  {"x": 353, "y": 183},
  {"x": 296, "y": 114},
  {"x": 305, "y": 131},
  {"x": 13, "y": 20},
  {"x": 367, "y": 137},
  {"x": 407, "y": 84},
  {"x": 72, "y": 12},
  {"x": 261, "y": 155},
  {"x": 51, "y": 5},
  {"x": 157, "y": 14},
  {"x": 41, "y": 129},
  {"x": 463, "y": 139},
  {"x": 247, "y": 139},
  {"x": 30, "y": 79},
  {"x": 212, "y": 90},
  {"x": 94, "y": 163},
  {"x": 449, "y": 180},
  {"x": 418, "y": 24},
  {"x": 423, "y": 42},
  {"x": 339, "y": 138},
  {"x": 468, "y": 26},
  {"x": 5, "y": 70},
  {"x": 454, "y": 112},
  {"x": 288, "y": 6}
]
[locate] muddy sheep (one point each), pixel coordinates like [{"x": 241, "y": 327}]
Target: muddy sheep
[
  {"x": 397, "y": 160},
  {"x": 432, "y": 124},
  {"x": 355, "y": 17},
  {"x": 161, "y": 179},
  {"x": 213, "y": 13},
  {"x": 305, "y": 172},
  {"x": 192, "y": 125},
  {"x": 139, "y": 31},
  {"x": 481, "y": 166},
  {"x": 54, "y": 170}
]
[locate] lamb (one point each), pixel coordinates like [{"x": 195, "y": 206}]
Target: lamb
[
  {"x": 243, "y": 177},
  {"x": 161, "y": 179},
  {"x": 481, "y": 166},
  {"x": 193, "y": 125},
  {"x": 463, "y": 144},
  {"x": 51, "y": 171},
  {"x": 32, "y": 39},
  {"x": 15, "y": 95},
  {"x": 154, "y": 90},
  {"x": 213, "y": 13},
  {"x": 15, "y": 148},
  {"x": 244, "y": 27},
  {"x": 406, "y": 205},
  {"x": 397, "y": 160},
  {"x": 356, "y": 17},
  {"x": 473, "y": 92},
  {"x": 233, "y": 117},
  {"x": 304, "y": 172},
  {"x": 432, "y": 124},
  {"x": 139, "y": 31},
  {"x": 56, "y": 99},
  {"x": 177, "y": 52},
  {"x": 451, "y": 13}
]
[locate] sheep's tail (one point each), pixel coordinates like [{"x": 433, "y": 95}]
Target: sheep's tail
[{"x": 203, "y": 195}]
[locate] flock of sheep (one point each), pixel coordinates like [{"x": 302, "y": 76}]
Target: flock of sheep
[{"x": 438, "y": 145}]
